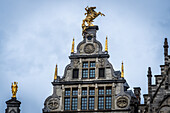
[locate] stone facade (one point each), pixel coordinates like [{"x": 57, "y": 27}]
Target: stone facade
[
  {"x": 90, "y": 83},
  {"x": 158, "y": 98}
]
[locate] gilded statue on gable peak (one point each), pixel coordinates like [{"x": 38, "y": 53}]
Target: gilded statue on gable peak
[{"x": 91, "y": 14}]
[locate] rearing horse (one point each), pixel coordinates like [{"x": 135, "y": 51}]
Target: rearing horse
[{"x": 91, "y": 15}]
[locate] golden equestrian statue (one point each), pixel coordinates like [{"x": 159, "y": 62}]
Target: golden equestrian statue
[
  {"x": 91, "y": 15},
  {"x": 14, "y": 89}
]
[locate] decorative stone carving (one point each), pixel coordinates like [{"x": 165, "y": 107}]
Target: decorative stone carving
[
  {"x": 76, "y": 63},
  {"x": 89, "y": 48},
  {"x": 122, "y": 102},
  {"x": 53, "y": 104}
]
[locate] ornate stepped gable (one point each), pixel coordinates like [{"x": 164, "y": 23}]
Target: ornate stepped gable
[{"x": 89, "y": 82}]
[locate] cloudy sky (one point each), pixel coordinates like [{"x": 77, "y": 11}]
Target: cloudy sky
[{"x": 35, "y": 35}]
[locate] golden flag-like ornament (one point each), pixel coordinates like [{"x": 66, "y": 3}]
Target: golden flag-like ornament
[
  {"x": 122, "y": 71},
  {"x": 55, "y": 75}
]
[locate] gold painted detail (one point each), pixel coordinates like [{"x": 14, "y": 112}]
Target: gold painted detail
[
  {"x": 91, "y": 15},
  {"x": 14, "y": 88},
  {"x": 72, "y": 49},
  {"x": 122, "y": 71},
  {"x": 55, "y": 75},
  {"x": 106, "y": 45}
]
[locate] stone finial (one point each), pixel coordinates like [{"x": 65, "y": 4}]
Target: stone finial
[
  {"x": 149, "y": 76},
  {"x": 166, "y": 47},
  {"x": 149, "y": 72}
]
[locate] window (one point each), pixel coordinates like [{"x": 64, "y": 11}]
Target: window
[
  {"x": 101, "y": 103},
  {"x": 108, "y": 102},
  {"x": 84, "y": 91},
  {"x": 75, "y": 73},
  {"x": 74, "y": 103},
  {"x": 85, "y": 73},
  {"x": 67, "y": 92},
  {"x": 85, "y": 64},
  {"x": 101, "y": 91},
  {"x": 92, "y": 73},
  {"x": 101, "y": 72},
  {"x": 67, "y": 103},
  {"x": 74, "y": 91},
  {"x": 92, "y": 64},
  {"x": 84, "y": 103},
  {"x": 91, "y": 103},
  {"x": 88, "y": 70},
  {"x": 108, "y": 90},
  {"x": 91, "y": 91}
]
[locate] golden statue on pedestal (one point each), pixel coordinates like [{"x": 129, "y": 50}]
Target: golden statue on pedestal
[
  {"x": 14, "y": 89},
  {"x": 91, "y": 15}
]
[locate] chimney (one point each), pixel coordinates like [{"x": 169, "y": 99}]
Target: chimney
[{"x": 137, "y": 93}]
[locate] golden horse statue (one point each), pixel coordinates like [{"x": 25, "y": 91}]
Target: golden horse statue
[
  {"x": 91, "y": 15},
  {"x": 14, "y": 89}
]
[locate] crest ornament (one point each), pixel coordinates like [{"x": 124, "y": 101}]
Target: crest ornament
[
  {"x": 122, "y": 102},
  {"x": 53, "y": 104},
  {"x": 89, "y": 48}
]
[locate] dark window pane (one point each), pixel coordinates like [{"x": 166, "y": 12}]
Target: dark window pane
[
  {"x": 108, "y": 90},
  {"x": 67, "y": 92},
  {"x": 101, "y": 72},
  {"x": 101, "y": 91},
  {"x": 92, "y": 64},
  {"x": 74, "y": 103},
  {"x": 91, "y": 103},
  {"x": 101, "y": 103},
  {"x": 85, "y": 64},
  {"x": 75, "y": 73},
  {"x": 74, "y": 91},
  {"x": 85, "y": 73},
  {"x": 84, "y": 103},
  {"x": 91, "y": 91},
  {"x": 92, "y": 73},
  {"x": 67, "y": 103},
  {"x": 84, "y": 91},
  {"x": 108, "y": 102}
]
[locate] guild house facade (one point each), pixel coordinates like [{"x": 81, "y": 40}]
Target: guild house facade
[{"x": 90, "y": 83}]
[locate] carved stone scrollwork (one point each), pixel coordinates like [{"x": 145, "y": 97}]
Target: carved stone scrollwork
[
  {"x": 53, "y": 104},
  {"x": 122, "y": 102},
  {"x": 89, "y": 48}
]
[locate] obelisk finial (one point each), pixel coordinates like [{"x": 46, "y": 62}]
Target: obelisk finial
[
  {"x": 122, "y": 71},
  {"x": 72, "y": 49},
  {"x": 106, "y": 45},
  {"x": 14, "y": 88},
  {"x": 55, "y": 75}
]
